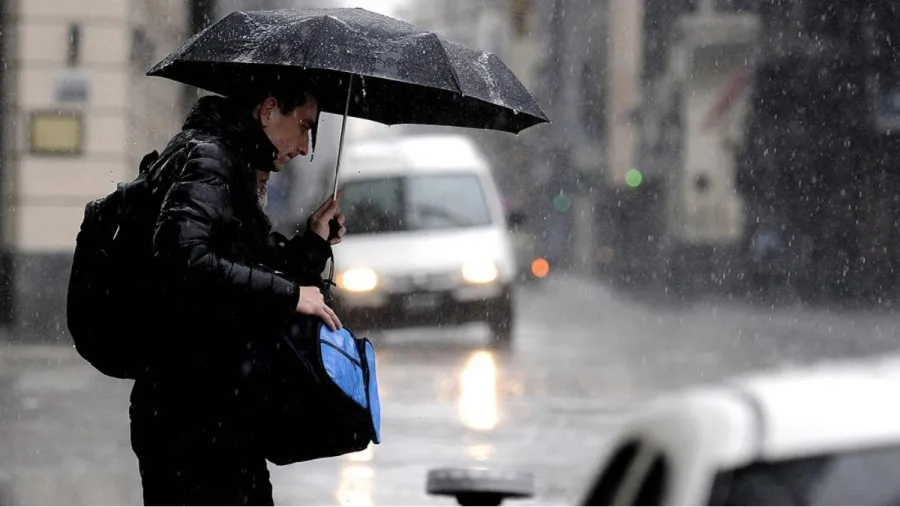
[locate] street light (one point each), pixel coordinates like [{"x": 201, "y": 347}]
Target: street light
[{"x": 200, "y": 14}]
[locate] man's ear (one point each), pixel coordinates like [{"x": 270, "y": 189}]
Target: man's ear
[{"x": 265, "y": 110}]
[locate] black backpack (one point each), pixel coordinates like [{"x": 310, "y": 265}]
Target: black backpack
[{"x": 110, "y": 282}]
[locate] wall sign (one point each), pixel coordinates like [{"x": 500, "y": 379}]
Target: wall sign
[{"x": 56, "y": 133}]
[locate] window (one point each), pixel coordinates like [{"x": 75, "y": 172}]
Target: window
[
  {"x": 373, "y": 206},
  {"x": 653, "y": 489},
  {"x": 603, "y": 491},
  {"x": 738, "y": 6},
  {"x": 862, "y": 477},
  {"x": 415, "y": 203},
  {"x": 637, "y": 475}
]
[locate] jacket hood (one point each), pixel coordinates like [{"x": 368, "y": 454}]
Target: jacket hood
[{"x": 220, "y": 116}]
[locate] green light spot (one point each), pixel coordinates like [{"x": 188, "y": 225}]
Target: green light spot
[
  {"x": 634, "y": 178},
  {"x": 562, "y": 202}
]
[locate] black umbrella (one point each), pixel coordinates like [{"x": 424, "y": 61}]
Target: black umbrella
[{"x": 366, "y": 65}]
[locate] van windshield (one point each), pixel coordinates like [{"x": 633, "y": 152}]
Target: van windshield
[{"x": 414, "y": 203}]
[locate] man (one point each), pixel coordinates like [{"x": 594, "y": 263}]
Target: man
[{"x": 192, "y": 425}]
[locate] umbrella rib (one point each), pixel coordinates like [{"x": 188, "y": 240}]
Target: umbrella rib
[
  {"x": 449, "y": 65},
  {"x": 314, "y": 38}
]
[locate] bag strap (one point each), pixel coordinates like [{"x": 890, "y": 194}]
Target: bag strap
[{"x": 328, "y": 283}]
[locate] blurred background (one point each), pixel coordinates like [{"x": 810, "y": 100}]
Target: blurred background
[{"x": 716, "y": 193}]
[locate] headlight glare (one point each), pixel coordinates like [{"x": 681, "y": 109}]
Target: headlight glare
[
  {"x": 357, "y": 280},
  {"x": 480, "y": 272}
]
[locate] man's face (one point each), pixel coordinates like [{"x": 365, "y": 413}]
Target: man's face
[{"x": 288, "y": 132}]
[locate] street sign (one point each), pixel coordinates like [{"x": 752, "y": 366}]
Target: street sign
[{"x": 72, "y": 85}]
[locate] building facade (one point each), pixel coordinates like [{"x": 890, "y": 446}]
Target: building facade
[{"x": 79, "y": 114}]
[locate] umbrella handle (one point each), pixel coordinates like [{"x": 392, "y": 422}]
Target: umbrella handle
[{"x": 337, "y": 169}]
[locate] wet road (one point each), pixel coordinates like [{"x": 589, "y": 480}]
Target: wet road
[{"x": 581, "y": 352}]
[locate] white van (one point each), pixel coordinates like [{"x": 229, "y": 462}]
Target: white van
[{"x": 427, "y": 240}]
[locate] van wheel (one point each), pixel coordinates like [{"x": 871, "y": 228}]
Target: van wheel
[{"x": 501, "y": 335}]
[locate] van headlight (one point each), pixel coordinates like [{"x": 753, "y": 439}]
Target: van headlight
[
  {"x": 479, "y": 272},
  {"x": 357, "y": 280}
]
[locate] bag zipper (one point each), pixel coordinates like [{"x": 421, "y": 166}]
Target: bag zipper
[
  {"x": 366, "y": 370},
  {"x": 344, "y": 352}
]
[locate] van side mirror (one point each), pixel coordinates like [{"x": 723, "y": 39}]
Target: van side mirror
[{"x": 516, "y": 219}]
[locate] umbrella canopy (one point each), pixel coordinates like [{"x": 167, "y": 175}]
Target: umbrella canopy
[{"x": 405, "y": 75}]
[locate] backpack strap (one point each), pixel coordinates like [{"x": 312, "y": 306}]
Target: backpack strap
[{"x": 147, "y": 162}]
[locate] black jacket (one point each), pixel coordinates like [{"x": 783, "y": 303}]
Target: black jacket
[{"x": 220, "y": 285}]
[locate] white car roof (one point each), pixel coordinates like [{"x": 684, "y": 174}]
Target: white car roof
[
  {"x": 781, "y": 415},
  {"x": 413, "y": 154}
]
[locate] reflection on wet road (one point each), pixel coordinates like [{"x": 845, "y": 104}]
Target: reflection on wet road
[
  {"x": 478, "y": 392},
  {"x": 580, "y": 353},
  {"x": 357, "y": 479}
]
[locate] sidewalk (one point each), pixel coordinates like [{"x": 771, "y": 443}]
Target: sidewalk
[{"x": 63, "y": 431}]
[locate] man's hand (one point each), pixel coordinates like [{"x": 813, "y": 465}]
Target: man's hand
[
  {"x": 319, "y": 221},
  {"x": 313, "y": 303}
]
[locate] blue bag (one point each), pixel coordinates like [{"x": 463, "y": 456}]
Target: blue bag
[{"x": 319, "y": 394}]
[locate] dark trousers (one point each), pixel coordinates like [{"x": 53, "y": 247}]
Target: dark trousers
[
  {"x": 194, "y": 435},
  {"x": 182, "y": 479},
  {"x": 195, "y": 447}
]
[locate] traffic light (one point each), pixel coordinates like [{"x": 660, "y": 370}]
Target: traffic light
[
  {"x": 634, "y": 178},
  {"x": 562, "y": 202}
]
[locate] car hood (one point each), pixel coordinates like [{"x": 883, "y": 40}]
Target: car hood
[{"x": 424, "y": 251}]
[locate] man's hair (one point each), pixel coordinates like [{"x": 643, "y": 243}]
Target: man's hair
[{"x": 289, "y": 94}]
